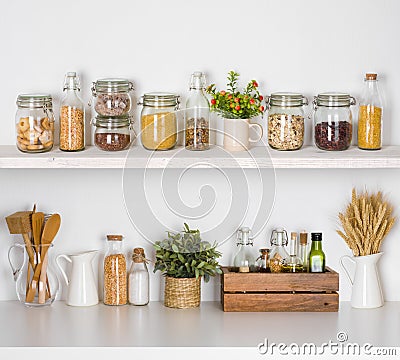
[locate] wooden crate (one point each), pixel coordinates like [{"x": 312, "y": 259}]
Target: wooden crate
[{"x": 279, "y": 291}]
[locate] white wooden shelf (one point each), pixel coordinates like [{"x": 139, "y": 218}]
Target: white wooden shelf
[
  {"x": 60, "y": 325},
  {"x": 137, "y": 157}
]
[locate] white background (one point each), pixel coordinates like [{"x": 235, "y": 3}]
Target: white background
[{"x": 302, "y": 46}]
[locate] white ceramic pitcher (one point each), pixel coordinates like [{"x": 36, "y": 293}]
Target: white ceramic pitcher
[
  {"x": 366, "y": 287},
  {"x": 82, "y": 289}
]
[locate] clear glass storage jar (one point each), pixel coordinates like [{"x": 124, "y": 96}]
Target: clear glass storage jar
[
  {"x": 159, "y": 121},
  {"x": 113, "y": 133},
  {"x": 34, "y": 123},
  {"x": 286, "y": 120},
  {"x": 333, "y": 127},
  {"x": 111, "y": 97}
]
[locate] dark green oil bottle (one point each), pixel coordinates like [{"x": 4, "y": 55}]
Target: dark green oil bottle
[{"x": 316, "y": 259}]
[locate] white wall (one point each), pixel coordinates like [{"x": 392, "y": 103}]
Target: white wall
[{"x": 304, "y": 46}]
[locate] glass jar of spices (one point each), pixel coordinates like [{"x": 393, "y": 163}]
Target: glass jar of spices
[
  {"x": 113, "y": 133},
  {"x": 333, "y": 127},
  {"x": 278, "y": 254},
  {"x": 286, "y": 121},
  {"x": 111, "y": 97},
  {"x": 262, "y": 260},
  {"x": 115, "y": 275},
  {"x": 159, "y": 121},
  {"x": 34, "y": 123}
]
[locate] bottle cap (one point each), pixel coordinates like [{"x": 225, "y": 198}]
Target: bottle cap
[
  {"x": 293, "y": 235},
  {"x": 371, "y": 76},
  {"x": 114, "y": 237},
  {"x": 138, "y": 255},
  {"x": 316, "y": 236},
  {"x": 303, "y": 238}
]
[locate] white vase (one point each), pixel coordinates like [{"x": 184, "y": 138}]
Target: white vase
[
  {"x": 366, "y": 287},
  {"x": 237, "y": 134}
]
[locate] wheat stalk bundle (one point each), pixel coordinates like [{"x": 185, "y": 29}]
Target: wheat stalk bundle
[{"x": 366, "y": 221}]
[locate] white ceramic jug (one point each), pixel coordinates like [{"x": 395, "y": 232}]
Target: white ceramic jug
[
  {"x": 366, "y": 287},
  {"x": 82, "y": 289}
]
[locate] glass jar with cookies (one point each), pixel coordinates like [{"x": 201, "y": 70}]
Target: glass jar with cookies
[{"x": 34, "y": 123}]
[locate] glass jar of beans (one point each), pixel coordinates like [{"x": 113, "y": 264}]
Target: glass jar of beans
[
  {"x": 34, "y": 123},
  {"x": 286, "y": 121},
  {"x": 113, "y": 133},
  {"x": 333, "y": 127},
  {"x": 159, "y": 121},
  {"x": 111, "y": 97}
]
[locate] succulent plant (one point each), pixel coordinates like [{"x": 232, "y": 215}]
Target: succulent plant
[{"x": 185, "y": 255}]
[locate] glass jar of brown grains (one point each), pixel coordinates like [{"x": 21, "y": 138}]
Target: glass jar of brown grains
[
  {"x": 35, "y": 123},
  {"x": 115, "y": 275},
  {"x": 113, "y": 133},
  {"x": 159, "y": 121},
  {"x": 286, "y": 121}
]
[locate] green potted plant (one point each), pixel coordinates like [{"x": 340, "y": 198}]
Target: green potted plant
[
  {"x": 237, "y": 108},
  {"x": 184, "y": 259}
]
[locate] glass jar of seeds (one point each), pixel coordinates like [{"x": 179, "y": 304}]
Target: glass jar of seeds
[
  {"x": 286, "y": 120},
  {"x": 115, "y": 274},
  {"x": 113, "y": 133},
  {"x": 333, "y": 129},
  {"x": 159, "y": 128},
  {"x": 111, "y": 97}
]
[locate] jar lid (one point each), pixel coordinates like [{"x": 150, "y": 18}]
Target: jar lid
[
  {"x": 112, "y": 85},
  {"x": 335, "y": 99},
  {"x": 112, "y": 121},
  {"x": 371, "y": 76},
  {"x": 114, "y": 237},
  {"x": 160, "y": 99},
  {"x": 264, "y": 251},
  {"x": 34, "y": 101},
  {"x": 138, "y": 255},
  {"x": 287, "y": 99}
]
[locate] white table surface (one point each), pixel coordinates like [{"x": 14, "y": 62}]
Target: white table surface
[{"x": 154, "y": 325}]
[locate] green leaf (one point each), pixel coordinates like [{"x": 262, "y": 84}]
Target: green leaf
[
  {"x": 181, "y": 258},
  {"x": 175, "y": 248}
]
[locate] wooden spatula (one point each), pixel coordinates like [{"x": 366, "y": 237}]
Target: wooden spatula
[
  {"x": 49, "y": 232},
  {"x": 37, "y": 226}
]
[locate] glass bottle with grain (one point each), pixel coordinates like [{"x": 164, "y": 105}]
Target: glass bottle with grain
[{"x": 138, "y": 279}]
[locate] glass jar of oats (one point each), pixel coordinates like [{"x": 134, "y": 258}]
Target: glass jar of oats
[
  {"x": 159, "y": 120},
  {"x": 34, "y": 123},
  {"x": 286, "y": 121}
]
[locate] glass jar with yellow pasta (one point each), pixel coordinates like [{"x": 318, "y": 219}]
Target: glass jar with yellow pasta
[
  {"x": 159, "y": 121},
  {"x": 370, "y": 115}
]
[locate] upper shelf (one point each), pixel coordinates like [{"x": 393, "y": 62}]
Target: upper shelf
[{"x": 137, "y": 157}]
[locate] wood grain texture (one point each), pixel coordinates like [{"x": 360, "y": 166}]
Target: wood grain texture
[
  {"x": 263, "y": 282},
  {"x": 280, "y": 302},
  {"x": 308, "y": 157}
]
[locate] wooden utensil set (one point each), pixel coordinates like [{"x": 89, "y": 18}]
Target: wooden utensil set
[{"x": 38, "y": 233}]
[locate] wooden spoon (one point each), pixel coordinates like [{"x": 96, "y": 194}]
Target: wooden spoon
[
  {"x": 37, "y": 225},
  {"x": 49, "y": 233}
]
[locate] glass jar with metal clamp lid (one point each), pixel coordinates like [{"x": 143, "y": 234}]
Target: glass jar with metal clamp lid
[
  {"x": 286, "y": 120},
  {"x": 333, "y": 125},
  {"x": 244, "y": 260},
  {"x": 113, "y": 133},
  {"x": 278, "y": 254},
  {"x": 112, "y": 96},
  {"x": 34, "y": 123},
  {"x": 159, "y": 126}
]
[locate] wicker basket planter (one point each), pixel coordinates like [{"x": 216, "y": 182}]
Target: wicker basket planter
[{"x": 182, "y": 293}]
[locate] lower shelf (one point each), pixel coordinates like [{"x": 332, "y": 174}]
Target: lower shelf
[{"x": 155, "y": 325}]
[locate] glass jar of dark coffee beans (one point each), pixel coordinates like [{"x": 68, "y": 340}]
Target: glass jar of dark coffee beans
[
  {"x": 333, "y": 126},
  {"x": 113, "y": 133}
]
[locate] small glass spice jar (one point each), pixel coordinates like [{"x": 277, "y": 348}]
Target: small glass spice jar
[
  {"x": 286, "y": 121},
  {"x": 138, "y": 279},
  {"x": 111, "y": 97},
  {"x": 34, "y": 123},
  {"x": 278, "y": 254},
  {"x": 115, "y": 275},
  {"x": 113, "y": 133},
  {"x": 159, "y": 121},
  {"x": 262, "y": 260},
  {"x": 333, "y": 127}
]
